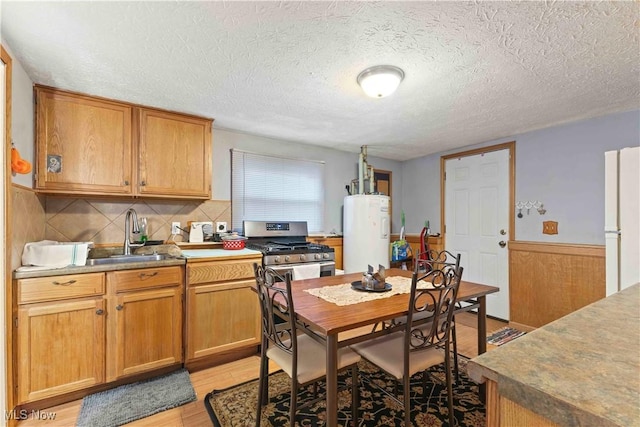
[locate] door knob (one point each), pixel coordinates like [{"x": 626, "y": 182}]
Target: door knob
[
  {"x": 503, "y": 232},
  {"x": 502, "y": 243}
]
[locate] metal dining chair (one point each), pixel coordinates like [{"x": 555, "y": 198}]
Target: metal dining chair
[
  {"x": 429, "y": 260},
  {"x": 299, "y": 355},
  {"x": 424, "y": 262},
  {"x": 420, "y": 345}
]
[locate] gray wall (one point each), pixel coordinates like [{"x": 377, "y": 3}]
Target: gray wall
[
  {"x": 562, "y": 166},
  {"x": 340, "y": 169},
  {"x": 22, "y": 117}
]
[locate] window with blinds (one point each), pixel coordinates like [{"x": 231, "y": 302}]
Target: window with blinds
[{"x": 271, "y": 188}]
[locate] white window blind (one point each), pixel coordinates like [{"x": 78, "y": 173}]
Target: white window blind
[{"x": 270, "y": 188}]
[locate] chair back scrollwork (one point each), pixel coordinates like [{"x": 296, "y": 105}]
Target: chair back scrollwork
[
  {"x": 433, "y": 292},
  {"x": 433, "y": 259},
  {"x": 276, "y": 307}
]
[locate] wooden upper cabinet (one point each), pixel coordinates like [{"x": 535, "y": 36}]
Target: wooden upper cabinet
[
  {"x": 90, "y": 145},
  {"x": 175, "y": 155},
  {"x": 83, "y": 145}
]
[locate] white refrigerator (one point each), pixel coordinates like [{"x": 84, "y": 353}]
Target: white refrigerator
[
  {"x": 622, "y": 218},
  {"x": 366, "y": 232}
]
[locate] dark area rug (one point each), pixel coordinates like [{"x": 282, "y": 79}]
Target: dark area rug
[
  {"x": 131, "y": 402},
  {"x": 236, "y": 406}
]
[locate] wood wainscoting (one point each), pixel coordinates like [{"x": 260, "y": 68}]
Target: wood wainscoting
[{"x": 550, "y": 280}]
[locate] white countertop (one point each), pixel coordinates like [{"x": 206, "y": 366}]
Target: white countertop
[{"x": 218, "y": 253}]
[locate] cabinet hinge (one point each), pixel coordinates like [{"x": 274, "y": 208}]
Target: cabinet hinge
[{"x": 15, "y": 322}]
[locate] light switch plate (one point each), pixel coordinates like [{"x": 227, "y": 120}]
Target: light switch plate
[{"x": 221, "y": 227}]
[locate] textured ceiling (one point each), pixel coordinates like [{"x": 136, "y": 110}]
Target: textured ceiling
[{"x": 474, "y": 71}]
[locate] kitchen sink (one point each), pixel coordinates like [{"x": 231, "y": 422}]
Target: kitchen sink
[{"x": 119, "y": 259}]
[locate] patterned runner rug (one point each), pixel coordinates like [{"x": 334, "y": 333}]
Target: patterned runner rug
[
  {"x": 236, "y": 406},
  {"x": 504, "y": 335}
]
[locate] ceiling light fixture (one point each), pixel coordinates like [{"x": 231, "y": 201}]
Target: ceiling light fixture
[{"x": 381, "y": 80}]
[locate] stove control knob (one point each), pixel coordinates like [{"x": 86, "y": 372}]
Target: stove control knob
[
  {"x": 276, "y": 259},
  {"x": 325, "y": 256},
  {"x": 302, "y": 257},
  {"x": 318, "y": 256},
  {"x": 287, "y": 258}
]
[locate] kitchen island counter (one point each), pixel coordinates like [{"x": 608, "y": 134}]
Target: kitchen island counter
[{"x": 582, "y": 369}]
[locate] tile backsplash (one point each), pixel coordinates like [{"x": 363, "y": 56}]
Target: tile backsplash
[
  {"x": 27, "y": 221},
  {"x": 37, "y": 217}
]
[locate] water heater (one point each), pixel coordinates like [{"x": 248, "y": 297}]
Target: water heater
[{"x": 366, "y": 232}]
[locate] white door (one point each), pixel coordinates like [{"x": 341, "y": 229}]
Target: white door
[{"x": 477, "y": 221}]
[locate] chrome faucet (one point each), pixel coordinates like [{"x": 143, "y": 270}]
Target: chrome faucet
[{"x": 136, "y": 229}]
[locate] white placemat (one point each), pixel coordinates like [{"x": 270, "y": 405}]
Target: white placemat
[{"x": 344, "y": 294}]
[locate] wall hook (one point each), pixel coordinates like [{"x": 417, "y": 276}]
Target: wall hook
[{"x": 528, "y": 204}]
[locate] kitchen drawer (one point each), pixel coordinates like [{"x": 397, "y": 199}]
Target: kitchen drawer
[
  {"x": 60, "y": 287},
  {"x": 144, "y": 278},
  {"x": 220, "y": 271}
]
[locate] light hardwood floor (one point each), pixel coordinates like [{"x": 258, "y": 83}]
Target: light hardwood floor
[{"x": 195, "y": 414}]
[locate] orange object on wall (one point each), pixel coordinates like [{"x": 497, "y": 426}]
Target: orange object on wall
[{"x": 18, "y": 164}]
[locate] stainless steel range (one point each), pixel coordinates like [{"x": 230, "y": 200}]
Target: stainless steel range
[{"x": 284, "y": 246}]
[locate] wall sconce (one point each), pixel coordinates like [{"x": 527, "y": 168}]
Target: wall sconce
[
  {"x": 528, "y": 205},
  {"x": 381, "y": 80}
]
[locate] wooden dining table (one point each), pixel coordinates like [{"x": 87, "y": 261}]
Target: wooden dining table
[{"x": 324, "y": 321}]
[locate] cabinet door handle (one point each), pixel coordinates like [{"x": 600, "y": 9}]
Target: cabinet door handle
[
  {"x": 70, "y": 282},
  {"x": 143, "y": 183},
  {"x": 119, "y": 307},
  {"x": 126, "y": 183},
  {"x": 99, "y": 311},
  {"x": 142, "y": 276}
]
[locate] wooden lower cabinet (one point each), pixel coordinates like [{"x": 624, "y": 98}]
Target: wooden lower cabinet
[
  {"x": 145, "y": 320},
  {"x": 147, "y": 331},
  {"x": 60, "y": 329},
  {"x": 503, "y": 412},
  {"x": 223, "y": 314},
  {"x": 61, "y": 346},
  {"x": 333, "y": 242},
  {"x": 78, "y": 331}
]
